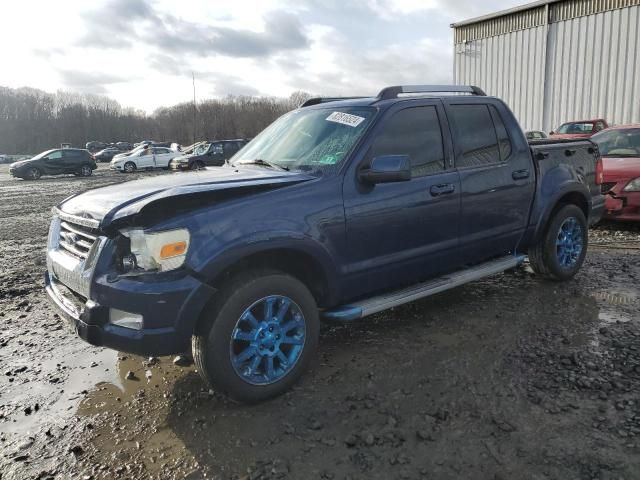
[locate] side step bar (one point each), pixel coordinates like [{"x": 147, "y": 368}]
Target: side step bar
[{"x": 377, "y": 304}]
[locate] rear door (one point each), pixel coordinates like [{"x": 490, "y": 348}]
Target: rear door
[
  {"x": 399, "y": 233},
  {"x": 162, "y": 157},
  {"x": 71, "y": 160},
  {"x": 144, "y": 159},
  {"x": 497, "y": 177}
]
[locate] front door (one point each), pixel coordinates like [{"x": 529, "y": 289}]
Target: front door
[
  {"x": 400, "y": 233},
  {"x": 54, "y": 163},
  {"x": 496, "y": 176},
  {"x": 162, "y": 157},
  {"x": 215, "y": 156},
  {"x": 145, "y": 159}
]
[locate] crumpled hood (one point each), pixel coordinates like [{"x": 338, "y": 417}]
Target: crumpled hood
[{"x": 129, "y": 198}]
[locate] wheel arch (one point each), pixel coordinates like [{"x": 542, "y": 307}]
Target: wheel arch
[
  {"x": 313, "y": 269},
  {"x": 572, "y": 196}
]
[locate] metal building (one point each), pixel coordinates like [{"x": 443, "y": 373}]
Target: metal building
[{"x": 556, "y": 61}]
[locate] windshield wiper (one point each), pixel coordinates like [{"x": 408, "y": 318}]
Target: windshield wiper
[{"x": 260, "y": 161}]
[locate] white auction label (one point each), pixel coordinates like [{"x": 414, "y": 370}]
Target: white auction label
[{"x": 345, "y": 119}]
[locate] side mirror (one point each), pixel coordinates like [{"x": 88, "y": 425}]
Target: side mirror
[
  {"x": 387, "y": 169},
  {"x": 552, "y": 132}
]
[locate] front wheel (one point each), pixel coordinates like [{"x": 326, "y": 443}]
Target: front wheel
[
  {"x": 561, "y": 251},
  {"x": 33, "y": 174},
  {"x": 258, "y": 339},
  {"x": 197, "y": 165},
  {"x": 129, "y": 167}
]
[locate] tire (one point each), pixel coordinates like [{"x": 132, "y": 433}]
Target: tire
[
  {"x": 561, "y": 251},
  {"x": 86, "y": 171},
  {"x": 129, "y": 167},
  {"x": 33, "y": 173},
  {"x": 197, "y": 165},
  {"x": 239, "y": 352}
]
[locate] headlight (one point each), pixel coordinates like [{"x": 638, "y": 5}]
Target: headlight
[
  {"x": 632, "y": 186},
  {"x": 159, "y": 251}
]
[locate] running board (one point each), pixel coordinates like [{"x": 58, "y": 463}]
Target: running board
[{"x": 377, "y": 304}]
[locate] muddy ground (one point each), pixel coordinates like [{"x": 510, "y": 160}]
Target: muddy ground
[{"x": 512, "y": 377}]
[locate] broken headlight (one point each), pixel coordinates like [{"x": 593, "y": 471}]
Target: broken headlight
[{"x": 157, "y": 251}]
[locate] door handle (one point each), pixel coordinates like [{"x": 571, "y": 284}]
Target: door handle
[
  {"x": 520, "y": 174},
  {"x": 442, "y": 189},
  {"x": 569, "y": 152}
]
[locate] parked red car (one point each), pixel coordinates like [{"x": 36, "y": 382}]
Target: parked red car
[
  {"x": 580, "y": 129},
  {"x": 620, "y": 150}
]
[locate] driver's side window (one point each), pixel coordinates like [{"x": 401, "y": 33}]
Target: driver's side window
[
  {"x": 216, "y": 149},
  {"x": 55, "y": 155}
]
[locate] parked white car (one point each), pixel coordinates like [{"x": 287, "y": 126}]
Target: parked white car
[{"x": 146, "y": 159}]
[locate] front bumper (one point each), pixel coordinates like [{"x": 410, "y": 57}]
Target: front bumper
[
  {"x": 168, "y": 319},
  {"x": 623, "y": 207},
  {"x": 178, "y": 166},
  {"x": 118, "y": 167}
]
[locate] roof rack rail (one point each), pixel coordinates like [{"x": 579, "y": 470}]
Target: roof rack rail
[
  {"x": 393, "y": 92},
  {"x": 318, "y": 100}
]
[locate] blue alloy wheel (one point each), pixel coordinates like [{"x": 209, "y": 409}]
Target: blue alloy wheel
[
  {"x": 267, "y": 340},
  {"x": 569, "y": 243}
]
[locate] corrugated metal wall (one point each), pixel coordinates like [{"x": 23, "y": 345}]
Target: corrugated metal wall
[{"x": 581, "y": 65}]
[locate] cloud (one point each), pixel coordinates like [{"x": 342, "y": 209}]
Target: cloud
[
  {"x": 118, "y": 24},
  {"x": 88, "y": 82}
]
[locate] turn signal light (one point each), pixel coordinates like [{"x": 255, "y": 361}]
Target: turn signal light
[
  {"x": 173, "y": 249},
  {"x": 599, "y": 172}
]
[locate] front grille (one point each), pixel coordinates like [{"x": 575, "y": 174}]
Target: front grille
[
  {"x": 77, "y": 239},
  {"x": 605, "y": 187}
]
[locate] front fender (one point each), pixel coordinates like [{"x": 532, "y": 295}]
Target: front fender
[{"x": 224, "y": 258}]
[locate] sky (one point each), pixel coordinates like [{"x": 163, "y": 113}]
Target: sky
[{"x": 143, "y": 53}]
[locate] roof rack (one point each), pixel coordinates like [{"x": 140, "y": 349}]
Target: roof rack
[
  {"x": 318, "y": 100},
  {"x": 393, "y": 92}
]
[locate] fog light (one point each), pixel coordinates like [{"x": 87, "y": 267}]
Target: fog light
[
  {"x": 128, "y": 263},
  {"x": 125, "y": 319}
]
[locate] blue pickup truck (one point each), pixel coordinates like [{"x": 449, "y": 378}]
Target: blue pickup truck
[{"x": 338, "y": 210}]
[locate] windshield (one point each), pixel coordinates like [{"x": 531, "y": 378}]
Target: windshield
[
  {"x": 41, "y": 155},
  {"x": 201, "y": 149},
  {"x": 576, "y": 128},
  {"x": 619, "y": 142},
  {"x": 313, "y": 140}
]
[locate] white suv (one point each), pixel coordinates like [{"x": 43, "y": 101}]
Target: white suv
[{"x": 151, "y": 157}]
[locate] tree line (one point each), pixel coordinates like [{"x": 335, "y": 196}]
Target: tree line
[{"x": 32, "y": 120}]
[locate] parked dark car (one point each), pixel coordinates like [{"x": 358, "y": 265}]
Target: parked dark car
[
  {"x": 55, "y": 162},
  {"x": 107, "y": 154},
  {"x": 95, "y": 146},
  {"x": 124, "y": 146},
  {"x": 212, "y": 154},
  {"x": 338, "y": 210},
  {"x": 535, "y": 135}
]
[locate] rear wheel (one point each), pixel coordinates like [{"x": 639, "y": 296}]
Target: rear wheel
[
  {"x": 561, "y": 251},
  {"x": 129, "y": 167},
  {"x": 86, "y": 171},
  {"x": 259, "y": 338},
  {"x": 33, "y": 173}
]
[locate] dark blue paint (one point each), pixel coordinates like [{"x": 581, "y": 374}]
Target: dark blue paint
[{"x": 362, "y": 239}]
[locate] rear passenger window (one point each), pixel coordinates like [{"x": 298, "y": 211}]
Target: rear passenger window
[
  {"x": 476, "y": 135},
  {"x": 414, "y": 132},
  {"x": 503, "y": 138}
]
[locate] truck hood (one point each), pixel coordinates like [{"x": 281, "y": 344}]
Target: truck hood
[
  {"x": 115, "y": 202},
  {"x": 620, "y": 168}
]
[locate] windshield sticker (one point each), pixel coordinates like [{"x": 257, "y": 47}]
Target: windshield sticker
[{"x": 345, "y": 119}]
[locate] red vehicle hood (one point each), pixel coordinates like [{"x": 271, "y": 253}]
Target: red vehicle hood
[
  {"x": 620, "y": 168},
  {"x": 569, "y": 136}
]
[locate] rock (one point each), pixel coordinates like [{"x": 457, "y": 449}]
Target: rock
[
  {"x": 604, "y": 331},
  {"x": 182, "y": 361},
  {"x": 76, "y": 450},
  {"x": 148, "y": 374},
  {"x": 351, "y": 440},
  {"x": 153, "y": 361},
  {"x": 316, "y": 425},
  {"x": 130, "y": 375},
  {"x": 369, "y": 440}
]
